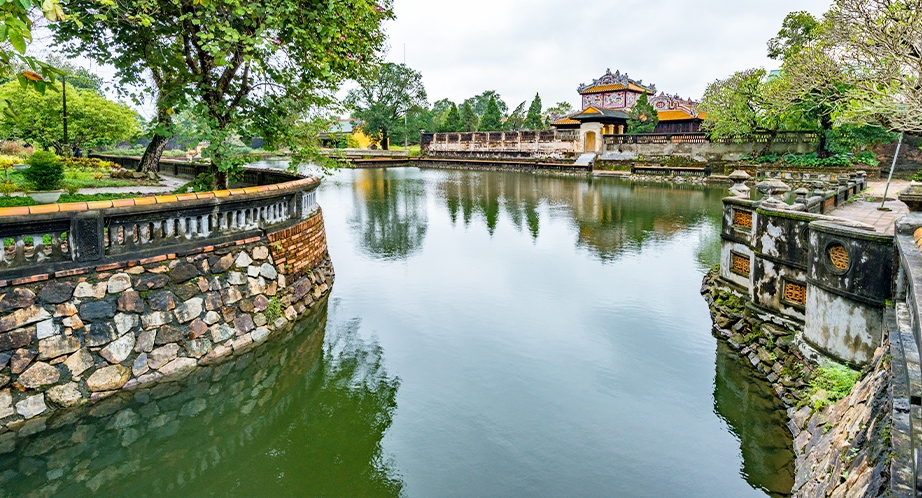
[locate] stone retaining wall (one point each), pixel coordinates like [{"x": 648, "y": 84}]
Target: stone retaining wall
[{"x": 82, "y": 336}]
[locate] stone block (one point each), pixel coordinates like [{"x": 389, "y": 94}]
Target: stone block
[
  {"x": 252, "y": 271},
  {"x": 20, "y": 360},
  {"x": 246, "y": 305},
  {"x": 222, "y": 332},
  {"x": 145, "y": 341},
  {"x": 213, "y": 301},
  {"x": 66, "y": 395},
  {"x": 212, "y": 317},
  {"x": 22, "y": 317},
  {"x": 17, "y": 338},
  {"x": 15, "y": 299},
  {"x": 56, "y": 346},
  {"x": 6, "y": 404},
  {"x": 151, "y": 282},
  {"x": 155, "y": 319},
  {"x": 141, "y": 365},
  {"x": 179, "y": 367},
  {"x": 118, "y": 350},
  {"x": 86, "y": 290},
  {"x": 126, "y": 322},
  {"x": 189, "y": 310},
  {"x": 167, "y": 334},
  {"x": 197, "y": 328},
  {"x": 183, "y": 272},
  {"x": 243, "y": 260},
  {"x": 131, "y": 301},
  {"x": 260, "y": 335},
  {"x": 162, "y": 355},
  {"x": 197, "y": 348},
  {"x": 268, "y": 271},
  {"x": 242, "y": 344},
  {"x": 38, "y": 375},
  {"x": 244, "y": 324},
  {"x": 222, "y": 264},
  {"x": 57, "y": 292},
  {"x": 260, "y": 253},
  {"x": 31, "y": 406},
  {"x": 230, "y": 295},
  {"x": 73, "y": 322},
  {"x": 4, "y": 359},
  {"x": 45, "y": 329},
  {"x": 108, "y": 378},
  {"x": 215, "y": 354},
  {"x": 79, "y": 362},
  {"x": 260, "y": 319},
  {"x": 97, "y": 310},
  {"x": 162, "y": 301},
  {"x": 99, "y": 334},
  {"x": 236, "y": 278},
  {"x": 65, "y": 309},
  {"x": 120, "y": 282}
]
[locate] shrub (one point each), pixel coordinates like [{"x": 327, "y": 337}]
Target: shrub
[
  {"x": 87, "y": 164},
  {"x": 46, "y": 171},
  {"x": 830, "y": 383},
  {"x": 11, "y": 148}
]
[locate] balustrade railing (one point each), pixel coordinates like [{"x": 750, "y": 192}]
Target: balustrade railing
[
  {"x": 781, "y": 137},
  {"x": 62, "y": 236}
]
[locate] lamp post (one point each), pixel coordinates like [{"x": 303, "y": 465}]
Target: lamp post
[
  {"x": 64, "y": 108},
  {"x": 896, "y": 154}
]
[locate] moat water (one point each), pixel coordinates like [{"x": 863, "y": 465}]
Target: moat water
[{"x": 488, "y": 334}]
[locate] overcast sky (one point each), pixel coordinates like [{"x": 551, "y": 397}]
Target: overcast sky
[{"x": 519, "y": 47}]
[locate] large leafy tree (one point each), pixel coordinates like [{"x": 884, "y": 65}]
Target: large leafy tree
[
  {"x": 878, "y": 46},
  {"x": 245, "y": 68},
  {"x": 492, "y": 119},
  {"x": 452, "y": 122},
  {"x": 480, "y": 102},
  {"x": 643, "y": 116},
  {"x": 797, "y": 31},
  {"x": 516, "y": 119},
  {"x": 469, "y": 119},
  {"x": 15, "y": 35},
  {"x": 384, "y": 97},
  {"x": 738, "y": 106},
  {"x": 92, "y": 120},
  {"x": 559, "y": 110},
  {"x": 533, "y": 120}
]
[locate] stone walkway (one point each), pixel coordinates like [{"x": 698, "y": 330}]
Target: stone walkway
[
  {"x": 866, "y": 211},
  {"x": 167, "y": 184}
]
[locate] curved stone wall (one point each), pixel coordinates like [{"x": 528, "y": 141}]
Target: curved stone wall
[{"x": 149, "y": 289}]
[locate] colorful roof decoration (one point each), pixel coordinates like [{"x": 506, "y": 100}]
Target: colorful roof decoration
[
  {"x": 675, "y": 108},
  {"x": 617, "y": 81}
]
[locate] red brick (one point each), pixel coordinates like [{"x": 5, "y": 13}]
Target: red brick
[
  {"x": 155, "y": 259},
  {"x": 31, "y": 280},
  {"x": 71, "y": 273}
]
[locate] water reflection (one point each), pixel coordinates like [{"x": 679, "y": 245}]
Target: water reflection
[
  {"x": 294, "y": 417},
  {"x": 390, "y": 216},
  {"x": 756, "y": 415}
]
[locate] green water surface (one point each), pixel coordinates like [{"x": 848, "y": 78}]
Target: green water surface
[{"x": 488, "y": 335}]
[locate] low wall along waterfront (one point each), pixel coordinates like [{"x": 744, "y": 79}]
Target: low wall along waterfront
[
  {"x": 798, "y": 290},
  {"x": 108, "y": 296}
]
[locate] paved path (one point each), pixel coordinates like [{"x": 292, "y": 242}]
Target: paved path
[
  {"x": 866, "y": 211},
  {"x": 167, "y": 184}
]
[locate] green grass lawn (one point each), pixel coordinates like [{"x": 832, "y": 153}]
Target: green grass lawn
[
  {"x": 83, "y": 179},
  {"x": 9, "y": 201}
]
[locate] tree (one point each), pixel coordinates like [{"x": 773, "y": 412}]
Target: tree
[
  {"x": 469, "y": 119},
  {"x": 492, "y": 119},
  {"x": 559, "y": 110},
  {"x": 797, "y": 30},
  {"x": 737, "y": 106},
  {"x": 16, "y": 33},
  {"x": 516, "y": 119},
  {"x": 384, "y": 98},
  {"x": 92, "y": 120},
  {"x": 479, "y": 103},
  {"x": 245, "y": 68},
  {"x": 533, "y": 120},
  {"x": 643, "y": 116},
  {"x": 452, "y": 122},
  {"x": 877, "y": 44}
]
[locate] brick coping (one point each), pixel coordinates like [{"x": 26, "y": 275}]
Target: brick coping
[{"x": 159, "y": 199}]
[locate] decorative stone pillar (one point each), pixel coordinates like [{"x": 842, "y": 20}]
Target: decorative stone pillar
[
  {"x": 739, "y": 188},
  {"x": 773, "y": 189}
]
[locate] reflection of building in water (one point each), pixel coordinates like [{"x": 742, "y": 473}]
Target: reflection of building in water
[
  {"x": 610, "y": 216},
  {"x": 289, "y": 418},
  {"x": 756, "y": 415},
  {"x": 390, "y": 219}
]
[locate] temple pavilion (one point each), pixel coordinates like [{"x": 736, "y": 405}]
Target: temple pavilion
[{"x": 607, "y": 101}]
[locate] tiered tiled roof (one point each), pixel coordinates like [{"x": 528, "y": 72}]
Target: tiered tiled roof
[{"x": 611, "y": 82}]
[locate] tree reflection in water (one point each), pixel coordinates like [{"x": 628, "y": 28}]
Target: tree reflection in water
[
  {"x": 390, "y": 213},
  {"x": 757, "y": 417},
  {"x": 294, "y": 417}
]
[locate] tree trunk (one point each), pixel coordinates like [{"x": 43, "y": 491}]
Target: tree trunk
[
  {"x": 385, "y": 143},
  {"x": 772, "y": 134},
  {"x": 150, "y": 161},
  {"x": 822, "y": 143}
]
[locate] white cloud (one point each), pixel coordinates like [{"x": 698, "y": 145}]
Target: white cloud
[{"x": 520, "y": 47}]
